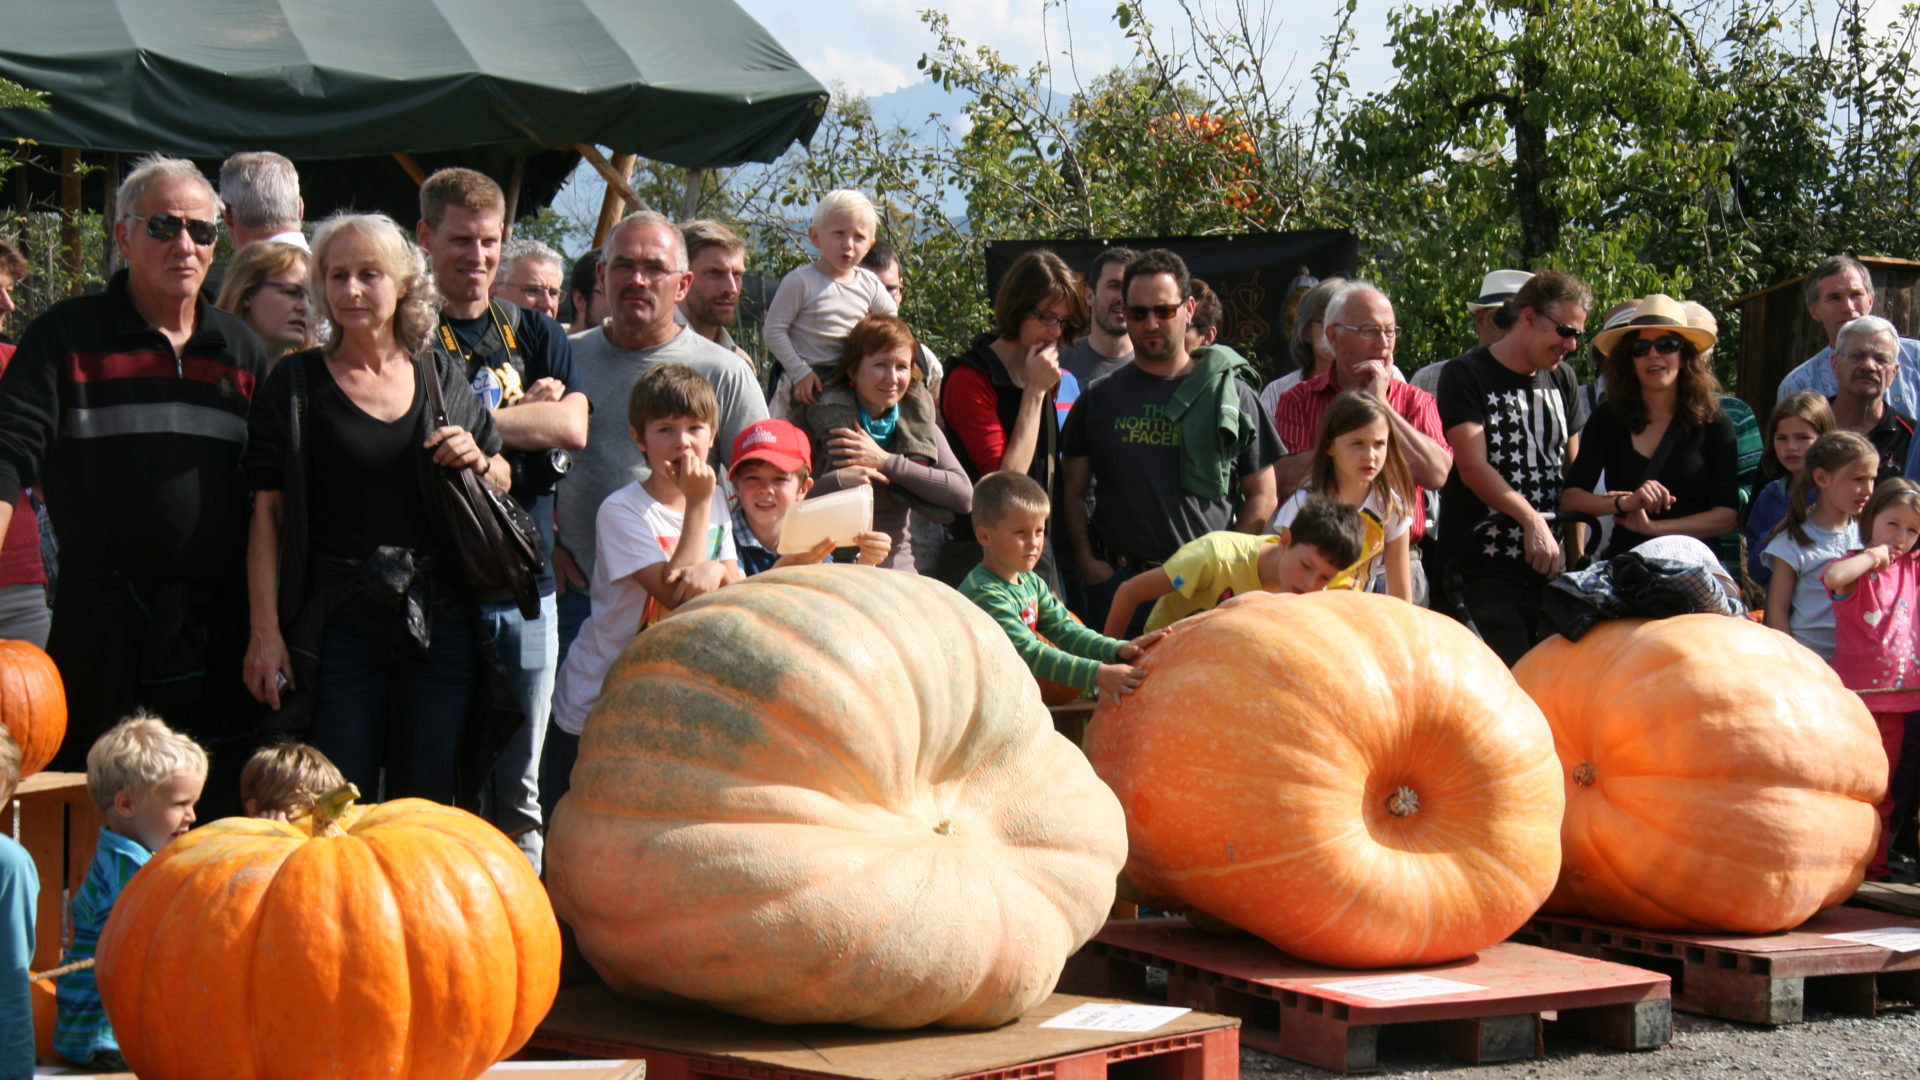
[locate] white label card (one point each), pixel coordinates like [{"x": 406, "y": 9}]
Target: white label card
[
  {"x": 1399, "y": 987},
  {"x": 1897, "y": 938},
  {"x": 1114, "y": 1016}
]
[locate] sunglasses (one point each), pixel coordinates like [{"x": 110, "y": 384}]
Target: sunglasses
[
  {"x": 1641, "y": 346},
  {"x": 1163, "y": 312},
  {"x": 166, "y": 226}
]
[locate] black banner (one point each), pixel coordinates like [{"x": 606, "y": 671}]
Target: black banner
[{"x": 1257, "y": 277}]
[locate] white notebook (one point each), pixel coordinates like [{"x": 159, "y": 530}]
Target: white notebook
[{"x": 839, "y": 517}]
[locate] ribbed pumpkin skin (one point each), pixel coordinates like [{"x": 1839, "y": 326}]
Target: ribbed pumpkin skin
[
  {"x": 419, "y": 945},
  {"x": 1257, "y": 761},
  {"x": 33, "y": 704},
  {"x": 1732, "y": 777},
  {"x": 756, "y": 817}
]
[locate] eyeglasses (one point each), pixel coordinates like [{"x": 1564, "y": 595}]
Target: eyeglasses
[
  {"x": 1641, "y": 346},
  {"x": 1048, "y": 319},
  {"x": 166, "y": 226},
  {"x": 1877, "y": 359},
  {"x": 293, "y": 292},
  {"x": 1370, "y": 331},
  {"x": 647, "y": 271},
  {"x": 1163, "y": 312},
  {"x": 535, "y": 292}
]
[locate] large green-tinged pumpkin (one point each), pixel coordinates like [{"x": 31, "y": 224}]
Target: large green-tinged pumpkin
[
  {"x": 831, "y": 794},
  {"x": 1357, "y": 780},
  {"x": 407, "y": 940},
  {"x": 1718, "y": 775}
]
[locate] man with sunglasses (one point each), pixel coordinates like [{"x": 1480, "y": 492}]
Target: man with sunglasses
[
  {"x": 131, "y": 405},
  {"x": 1174, "y": 445},
  {"x": 1512, "y": 413}
]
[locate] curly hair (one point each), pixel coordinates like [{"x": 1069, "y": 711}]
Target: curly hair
[
  {"x": 417, "y": 308},
  {"x": 1698, "y": 401}
]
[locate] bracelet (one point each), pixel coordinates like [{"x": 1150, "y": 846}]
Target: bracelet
[{"x": 1617, "y": 508}]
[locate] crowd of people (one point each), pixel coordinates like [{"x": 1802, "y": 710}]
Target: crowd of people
[{"x": 238, "y": 464}]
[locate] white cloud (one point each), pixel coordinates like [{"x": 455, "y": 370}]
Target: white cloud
[{"x": 863, "y": 73}]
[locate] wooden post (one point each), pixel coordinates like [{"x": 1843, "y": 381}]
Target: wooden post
[
  {"x": 690, "y": 202},
  {"x": 108, "y": 206},
  {"x": 618, "y": 174},
  {"x": 514, "y": 182},
  {"x": 72, "y": 258},
  {"x": 413, "y": 168}
]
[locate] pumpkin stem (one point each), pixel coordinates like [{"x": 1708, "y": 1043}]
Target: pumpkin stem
[
  {"x": 1403, "y": 803},
  {"x": 945, "y": 828},
  {"x": 1583, "y": 774},
  {"x": 327, "y": 810}
]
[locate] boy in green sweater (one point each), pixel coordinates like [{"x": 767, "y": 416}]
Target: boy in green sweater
[{"x": 1010, "y": 521}]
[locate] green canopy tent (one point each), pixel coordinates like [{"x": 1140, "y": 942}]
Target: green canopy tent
[{"x": 696, "y": 83}]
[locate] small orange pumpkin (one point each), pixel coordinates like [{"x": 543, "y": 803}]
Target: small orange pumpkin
[
  {"x": 1355, "y": 779},
  {"x": 1718, "y": 774},
  {"x": 830, "y": 794},
  {"x": 33, "y": 704},
  {"x": 407, "y": 939}
]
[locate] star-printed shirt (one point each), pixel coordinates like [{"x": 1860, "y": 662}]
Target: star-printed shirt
[{"x": 1527, "y": 420}]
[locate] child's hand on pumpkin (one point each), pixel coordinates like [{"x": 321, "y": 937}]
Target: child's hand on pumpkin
[
  {"x": 1135, "y": 649},
  {"x": 1118, "y": 679}
]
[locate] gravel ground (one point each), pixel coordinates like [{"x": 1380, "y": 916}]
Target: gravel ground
[{"x": 1826, "y": 1047}]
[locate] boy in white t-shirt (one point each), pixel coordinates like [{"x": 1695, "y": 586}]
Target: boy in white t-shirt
[
  {"x": 817, "y": 305},
  {"x": 658, "y": 543}
]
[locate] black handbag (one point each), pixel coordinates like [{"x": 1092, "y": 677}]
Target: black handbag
[{"x": 492, "y": 542}]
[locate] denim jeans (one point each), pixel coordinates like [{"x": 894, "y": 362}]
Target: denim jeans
[
  {"x": 528, "y": 650},
  {"x": 376, "y": 705},
  {"x": 557, "y": 756}
]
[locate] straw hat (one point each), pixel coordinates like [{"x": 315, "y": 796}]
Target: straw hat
[
  {"x": 1657, "y": 312},
  {"x": 1498, "y": 287}
]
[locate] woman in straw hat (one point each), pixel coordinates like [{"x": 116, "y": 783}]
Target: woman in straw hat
[{"x": 1667, "y": 452}]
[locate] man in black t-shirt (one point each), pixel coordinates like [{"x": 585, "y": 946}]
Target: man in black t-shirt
[
  {"x": 1866, "y": 360},
  {"x": 1131, "y": 436},
  {"x": 1512, "y": 414},
  {"x": 520, "y": 365}
]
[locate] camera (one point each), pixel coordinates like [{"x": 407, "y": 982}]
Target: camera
[{"x": 538, "y": 472}]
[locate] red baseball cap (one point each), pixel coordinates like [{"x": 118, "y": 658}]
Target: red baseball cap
[{"x": 776, "y": 442}]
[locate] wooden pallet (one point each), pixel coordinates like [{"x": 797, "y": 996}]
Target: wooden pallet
[
  {"x": 1286, "y": 1005},
  {"x": 1886, "y": 896},
  {"x": 1755, "y": 978},
  {"x": 710, "y": 1046}
]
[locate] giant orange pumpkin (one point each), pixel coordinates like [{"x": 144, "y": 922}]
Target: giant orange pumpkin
[
  {"x": 1355, "y": 779},
  {"x": 1718, "y": 775},
  {"x": 831, "y": 794},
  {"x": 33, "y": 704},
  {"x": 407, "y": 939}
]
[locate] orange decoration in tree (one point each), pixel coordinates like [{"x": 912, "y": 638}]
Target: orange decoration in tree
[
  {"x": 1718, "y": 775},
  {"x": 33, "y": 704},
  {"x": 408, "y": 940},
  {"x": 1357, "y": 780}
]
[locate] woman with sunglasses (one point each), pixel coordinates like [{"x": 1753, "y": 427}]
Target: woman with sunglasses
[
  {"x": 1004, "y": 399},
  {"x": 267, "y": 286},
  {"x": 354, "y": 602},
  {"x": 1659, "y": 440}
]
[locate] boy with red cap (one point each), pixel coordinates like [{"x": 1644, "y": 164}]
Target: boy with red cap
[{"x": 772, "y": 470}]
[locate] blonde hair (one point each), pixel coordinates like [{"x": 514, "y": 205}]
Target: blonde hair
[
  {"x": 289, "y": 777},
  {"x": 417, "y": 307},
  {"x": 846, "y": 201},
  {"x": 136, "y": 756},
  {"x": 9, "y": 765}
]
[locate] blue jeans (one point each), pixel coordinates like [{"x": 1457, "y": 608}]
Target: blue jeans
[
  {"x": 376, "y": 705},
  {"x": 529, "y": 651},
  {"x": 557, "y": 756}
]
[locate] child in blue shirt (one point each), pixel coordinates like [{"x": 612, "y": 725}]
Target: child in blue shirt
[
  {"x": 145, "y": 778},
  {"x": 19, "y": 892}
]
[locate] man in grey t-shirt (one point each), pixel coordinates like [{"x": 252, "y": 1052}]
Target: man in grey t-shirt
[
  {"x": 1106, "y": 348},
  {"x": 643, "y": 271}
]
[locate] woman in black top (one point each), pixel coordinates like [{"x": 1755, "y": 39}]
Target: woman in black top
[
  {"x": 1666, "y": 451},
  {"x": 350, "y": 597}
]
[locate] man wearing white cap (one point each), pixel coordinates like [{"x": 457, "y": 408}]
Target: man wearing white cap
[{"x": 1495, "y": 289}]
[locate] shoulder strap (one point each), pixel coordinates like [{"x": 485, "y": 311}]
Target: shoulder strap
[{"x": 424, "y": 368}]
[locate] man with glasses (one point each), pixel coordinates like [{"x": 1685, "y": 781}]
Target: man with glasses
[
  {"x": 131, "y": 405},
  {"x": 520, "y": 365},
  {"x": 1866, "y": 364},
  {"x": 1361, "y": 331},
  {"x": 884, "y": 260},
  {"x": 1512, "y": 414},
  {"x": 717, "y": 259},
  {"x": 1174, "y": 445},
  {"x": 530, "y": 277},
  {"x": 1839, "y": 291},
  {"x": 643, "y": 270}
]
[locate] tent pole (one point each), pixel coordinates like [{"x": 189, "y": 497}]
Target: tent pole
[
  {"x": 72, "y": 258},
  {"x": 413, "y": 168},
  {"x": 514, "y": 181},
  {"x": 690, "y": 202}
]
